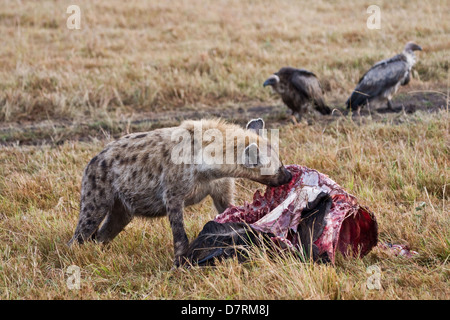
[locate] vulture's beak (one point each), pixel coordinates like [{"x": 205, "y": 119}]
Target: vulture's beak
[
  {"x": 411, "y": 46},
  {"x": 270, "y": 82}
]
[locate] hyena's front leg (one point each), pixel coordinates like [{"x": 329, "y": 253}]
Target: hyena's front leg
[
  {"x": 222, "y": 193},
  {"x": 174, "y": 209}
]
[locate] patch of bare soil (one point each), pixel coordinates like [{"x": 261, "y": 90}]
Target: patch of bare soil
[
  {"x": 57, "y": 132},
  {"x": 427, "y": 101}
]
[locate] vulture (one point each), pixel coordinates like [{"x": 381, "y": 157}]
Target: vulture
[
  {"x": 382, "y": 81},
  {"x": 299, "y": 89}
]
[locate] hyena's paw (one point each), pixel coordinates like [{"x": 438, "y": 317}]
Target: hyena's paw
[{"x": 180, "y": 261}]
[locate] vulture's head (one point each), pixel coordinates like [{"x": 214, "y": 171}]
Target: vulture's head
[
  {"x": 280, "y": 80},
  {"x": 411, "y": 47},
  {"x": 272, "y": 81}
]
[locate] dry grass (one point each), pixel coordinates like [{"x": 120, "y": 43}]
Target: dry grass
[
  {"x": 134, "y": 57},
  {"x": 399, "y": 171},
  {"x": 153, "y": 56}
]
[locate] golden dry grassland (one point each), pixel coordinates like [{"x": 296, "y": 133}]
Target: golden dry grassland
[{"x": 65, "y": 93}]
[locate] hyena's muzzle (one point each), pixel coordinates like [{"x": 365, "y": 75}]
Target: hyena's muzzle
[{"x": 282, "y": 176}]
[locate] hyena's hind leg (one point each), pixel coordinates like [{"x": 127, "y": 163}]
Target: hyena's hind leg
[
  {"x": 97, "y": 200},
  {"x": 91, "y": 216},
  {"x": 115, "y": 222}
]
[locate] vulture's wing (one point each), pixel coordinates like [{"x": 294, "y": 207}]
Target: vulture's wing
[
  {"x": 407, "y": 79},
  {"x": 309, "y": 86},
  {"x": 302, "y": 81},
  {"x": 382, "y": 76}
]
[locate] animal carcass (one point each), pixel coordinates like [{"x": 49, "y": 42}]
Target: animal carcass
[{"x": 311, "y": 215}]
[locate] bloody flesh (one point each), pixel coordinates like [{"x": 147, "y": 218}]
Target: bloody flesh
[{"x": 346, "y": 226}]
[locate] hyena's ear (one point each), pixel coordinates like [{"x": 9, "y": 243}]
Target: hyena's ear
[
  {"x": 255, "y": 125},
  {"x": 253, "y": 157}
]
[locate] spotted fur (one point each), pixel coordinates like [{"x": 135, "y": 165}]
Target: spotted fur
[{"x": 135, "y": 176}]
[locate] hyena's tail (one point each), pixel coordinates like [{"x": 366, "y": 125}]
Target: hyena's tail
[{"x": 96, "y": 200}]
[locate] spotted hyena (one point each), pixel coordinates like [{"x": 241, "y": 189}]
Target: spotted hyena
[{"x": 141, "y": 174}]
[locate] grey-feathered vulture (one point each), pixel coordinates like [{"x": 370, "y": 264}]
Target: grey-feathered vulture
[
  {"x": 382, "y": 81},
  {"x": 298, "y": 89}
]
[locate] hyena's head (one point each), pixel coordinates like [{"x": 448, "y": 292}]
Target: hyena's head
[{"x": 260, "y": 160}]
